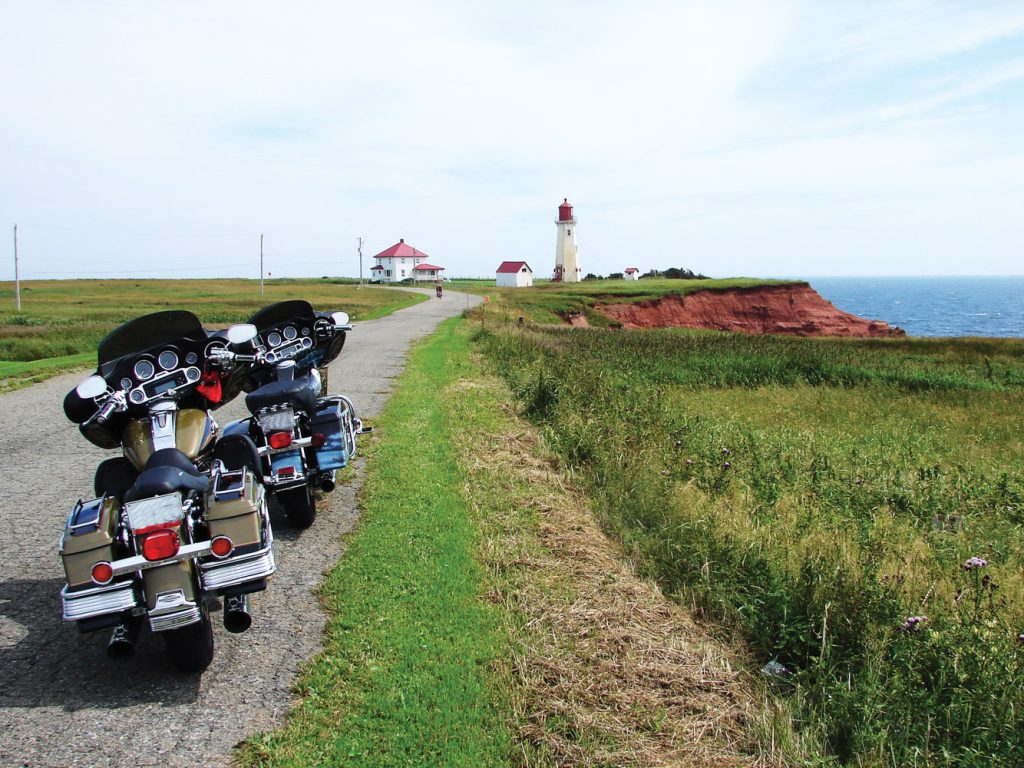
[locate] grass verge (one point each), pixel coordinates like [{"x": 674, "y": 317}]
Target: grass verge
[{"x": 410, "y": 673}]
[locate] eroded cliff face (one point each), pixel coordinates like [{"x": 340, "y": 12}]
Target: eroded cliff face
[{"x": 796, "y": 309}]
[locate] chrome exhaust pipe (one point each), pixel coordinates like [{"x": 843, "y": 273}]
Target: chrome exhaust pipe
[
  {"x": 327, "y": 482},
  {"x": 123, "y": 640},
  {"x": 236, "y": 613}
]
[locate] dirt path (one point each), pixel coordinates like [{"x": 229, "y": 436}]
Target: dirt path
[{"x": 62, "y": 702}]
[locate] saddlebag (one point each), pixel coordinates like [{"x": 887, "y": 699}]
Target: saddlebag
[
  {"x": 335, "y": 420},
  {"x": 233, "y": 508},
  {"x": 88, "y": 539}
]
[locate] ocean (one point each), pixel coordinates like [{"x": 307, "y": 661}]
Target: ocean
[{"x": 932, "y": 306}]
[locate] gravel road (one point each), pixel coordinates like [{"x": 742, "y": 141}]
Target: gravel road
[{"x": 62, "y": 701}]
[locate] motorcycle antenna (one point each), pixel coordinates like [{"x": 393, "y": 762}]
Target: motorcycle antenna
[
  {"x": 17, "y": 282},
  {"x": 360, "y": 262},
  {"x": 261, "y": 263}
]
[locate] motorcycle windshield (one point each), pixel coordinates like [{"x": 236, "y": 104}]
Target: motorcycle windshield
[
  {"x": 282, "y": 312},
  {"x": 149, "y": 331}
]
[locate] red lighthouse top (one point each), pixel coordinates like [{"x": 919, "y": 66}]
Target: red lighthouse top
[{"x": 565, "y": 210}]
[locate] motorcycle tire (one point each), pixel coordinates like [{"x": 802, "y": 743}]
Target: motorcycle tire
[
  {"x": 299, "y": 505},
  {"x": 190, "y": 648}
]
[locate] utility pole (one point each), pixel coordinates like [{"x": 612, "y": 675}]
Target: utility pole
[
  {"x": 17, "y": 282},
  {"x": 360, "y": 262},
  {"x": 261, "y": 263}
]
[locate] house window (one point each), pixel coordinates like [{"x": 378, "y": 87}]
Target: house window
[
  {"x": 387, "y": 273},
  {"x": 403, "y": 271}
]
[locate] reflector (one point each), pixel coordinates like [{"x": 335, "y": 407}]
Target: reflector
[
  {"x": 160, "y": 545},
  {"x": 221, "y": 546},
  {"x": 280, "y": 439},
  {"x": 102, "y": 573},
  {"x": 318, "y": 439}
]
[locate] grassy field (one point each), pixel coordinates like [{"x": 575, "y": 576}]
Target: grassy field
[
  {"x": 852, "y": 507},
  {"x": 62, "y": 321}
]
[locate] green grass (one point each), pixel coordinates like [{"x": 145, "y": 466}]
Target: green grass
[
  {"x": 63, "y": 320},
  {"x": 814, "y": 493},
  {"x": 411, "y": 672}
]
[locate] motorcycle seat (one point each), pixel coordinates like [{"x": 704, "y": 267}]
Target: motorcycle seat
[
  {"x": 297, "y": 392},
  {"x": 172, "y": 457},
  {"x": 158, "y": 481}
]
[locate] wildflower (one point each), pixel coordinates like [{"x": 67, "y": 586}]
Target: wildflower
[
  {"x": 726, "y": 465},
  {"x": 914, "y": 623},
  {"x": 726, "y": 451},
  {"x": 689, "y": 462},
  {"x": 860, "y": 481},
  {"x": 975, "y": 562},
  {"x": 1020, "y": 638}
]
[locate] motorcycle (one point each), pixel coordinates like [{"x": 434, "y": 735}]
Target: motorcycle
[
  {"x": 302, "y": 438},
  {"x": 180, "y": 518}
]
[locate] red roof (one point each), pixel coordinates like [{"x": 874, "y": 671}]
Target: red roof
[
  {"x": 632, "y": 269},
  {"x": 399, "y": 249},
  {"x": 511, "y": 267},
  {"x": 424, "y": 266},
  {"x": 376, "y": 267}
]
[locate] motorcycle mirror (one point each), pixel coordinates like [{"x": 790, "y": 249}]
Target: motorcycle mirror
[
  {"x": 94, "y": 386},
  {"x": 340, "y": 318},
  {"x": 240, "y": 334}
]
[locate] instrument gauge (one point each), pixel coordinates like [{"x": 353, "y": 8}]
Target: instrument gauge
[
  {"x": 274, "y": 339},
  {"x": 126, "y": 383},
  {"x": 168, "y": 360},
  {"x": 191, "y": 358},
  {"x": 305, "y": 331},
  {"x": 290, "y": 333},
  {"x": 144, "y": 369}
]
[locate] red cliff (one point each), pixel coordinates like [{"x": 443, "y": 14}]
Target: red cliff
[{"x": 795, "y": 309}]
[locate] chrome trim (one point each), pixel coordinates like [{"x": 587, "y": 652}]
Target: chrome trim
[
  {"x": 86, "y": 603},
  {"x": 238, "y": 569},
  {"x": 173, "y": 610},
  {"x": 139, "y": 563}
]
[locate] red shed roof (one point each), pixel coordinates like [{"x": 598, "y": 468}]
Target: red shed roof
[
  {"x": 425, "y": 267},
  {"x": 399, "y": 249},
  {"x": 632, "y": 269},
  {"x": 376, "y": 267},
  {"x": 511, "y": 267}
]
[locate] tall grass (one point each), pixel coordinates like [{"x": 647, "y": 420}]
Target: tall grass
[{"x": 817, "y": 495}]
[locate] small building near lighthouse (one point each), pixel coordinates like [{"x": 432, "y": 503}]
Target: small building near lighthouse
[
  {"x": 514, "y": 274},
  {"x": 403, "y": 262},
  {"x": 631, "y": 273},
  {"x": 567, "y": 255}
]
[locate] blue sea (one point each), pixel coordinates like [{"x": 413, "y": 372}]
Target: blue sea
[{"x": 932, "y": 306}]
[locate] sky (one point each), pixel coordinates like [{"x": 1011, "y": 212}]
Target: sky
[{"x": 762, "y": 138}]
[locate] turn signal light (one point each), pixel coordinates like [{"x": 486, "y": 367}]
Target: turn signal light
[
  {"x": 160, "y": 545},
  {"x": 221, "y": 546},
  {"x": 318, "y": 439},
  {"x": 280, "y": 439},
  {"x": 102, "y": 573}
]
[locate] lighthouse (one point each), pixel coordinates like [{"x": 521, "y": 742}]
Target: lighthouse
[{"x": 567, "y": 255}]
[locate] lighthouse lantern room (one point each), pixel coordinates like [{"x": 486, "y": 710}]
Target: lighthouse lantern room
[{"x": 567, "y": 255}]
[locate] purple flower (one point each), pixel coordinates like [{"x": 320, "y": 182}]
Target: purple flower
[
  {"x": 1020, "y": 638},
  {"x": 975, "y": 562},
  {"x": 725, "y": 451},
  {"x": 726, "y": 465},
  {"x": 914, "y": 623}
]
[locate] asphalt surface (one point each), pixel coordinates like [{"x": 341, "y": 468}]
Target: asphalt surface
[{"x": 62, "y": 701}]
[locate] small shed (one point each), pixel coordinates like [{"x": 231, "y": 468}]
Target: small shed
[
  {"x": 514, "y": 274},
  {"x": 631, "y": 273}
]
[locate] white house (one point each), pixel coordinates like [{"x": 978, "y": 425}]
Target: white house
[
  {"x": 400, "y": 262},
  {"x": 631, "y": 273},
  {"x": 514, "y": 274}
]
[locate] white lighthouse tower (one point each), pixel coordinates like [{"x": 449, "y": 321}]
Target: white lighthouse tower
[{"x": 567, "y": 255}]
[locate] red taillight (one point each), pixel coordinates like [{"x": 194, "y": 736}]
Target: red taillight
[
  {"x": 221, "y": 546},
  {"x": 286, "y": 472},
  {"x": 102, "y": 573},
  {"x": 280, "y": 439},
  {"x": 160, "y": 545},
  {"x": 318, "y": 439}
]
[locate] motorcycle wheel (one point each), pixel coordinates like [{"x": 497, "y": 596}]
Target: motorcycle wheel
[
  {"x": 190, "y": 648},
  {"x": 300, "y": 506}
]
